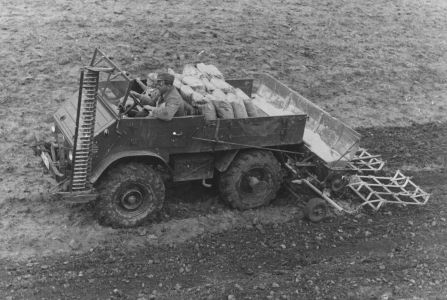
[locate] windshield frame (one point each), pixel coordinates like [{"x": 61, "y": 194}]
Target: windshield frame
[{"x": 113, "y": 71}]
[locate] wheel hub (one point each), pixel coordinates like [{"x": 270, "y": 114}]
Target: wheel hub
[
  {"x": 132, "y": 199},
  {"x": 253, "y": 182},
  {"x": 319, "y": 210}
]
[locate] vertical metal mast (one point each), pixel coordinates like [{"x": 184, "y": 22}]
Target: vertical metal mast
[{"x": 85, "y": 128}]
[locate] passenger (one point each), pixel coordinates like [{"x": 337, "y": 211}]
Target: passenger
[
  {"x": 149, "y": 87},
  {"x": 166, "y": 104}
]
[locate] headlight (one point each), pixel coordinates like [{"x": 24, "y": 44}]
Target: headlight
[
  {"x": 53, "y": 129},
  {"x": 70, "y": 155}
]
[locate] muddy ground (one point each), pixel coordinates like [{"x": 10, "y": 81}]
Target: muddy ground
[{"x": 379, "y": 66}]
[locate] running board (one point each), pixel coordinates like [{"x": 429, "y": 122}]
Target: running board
[{"x": 78, "y": 197}]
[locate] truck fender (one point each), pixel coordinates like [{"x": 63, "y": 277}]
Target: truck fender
[
  {"x": 109, "y": 160},
  {"x": 224, "y": 160}
]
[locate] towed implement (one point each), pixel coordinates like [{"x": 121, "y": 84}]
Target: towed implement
[{"x": 122, "y": 163}]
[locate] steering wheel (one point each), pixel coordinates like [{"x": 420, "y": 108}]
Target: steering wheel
[{"x": 135, "y": 103}]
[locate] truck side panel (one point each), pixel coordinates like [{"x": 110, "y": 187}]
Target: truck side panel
[
  {"x": 228, "y": 134},
  {"x": 193, "y": 134}
]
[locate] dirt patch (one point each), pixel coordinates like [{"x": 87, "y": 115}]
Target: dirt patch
[
  {"x": 28, "y": 231},
  {"x": 418, "y": 147}
]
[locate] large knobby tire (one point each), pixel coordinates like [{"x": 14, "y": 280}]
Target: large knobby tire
[
  {"x": 252, "y": 180},
  {"x": 129, "y": 194}
]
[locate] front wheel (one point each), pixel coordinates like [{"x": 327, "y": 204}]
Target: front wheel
[
  {"x": 252, "y": 180},
  {"x": 129, "y": 194}
]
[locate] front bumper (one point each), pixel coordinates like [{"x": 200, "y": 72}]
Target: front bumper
[
  {"x": 48, "y": 154},
  {"x": 55, "y": 160}
]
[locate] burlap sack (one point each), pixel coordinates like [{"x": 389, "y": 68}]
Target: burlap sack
[
  {"x": 208, "y": 86},
  {"x": 241, "y": 94},
  {"x": 238, "y": 106},
  {"x": 186, "y": 93},
  {"x": 218, "y": 95},
  {"x": 197, "y": 98},
  {"x": 221, "y": 85},
  {"x": 251, "y": 109},
  {"x": 224, "y": 110},
  {"x": 195, "y": 83},
  {"x": 209, "y": 71},
  {"x": 190, "y": 70},
  {"x": 177, "y": 83},
  {"x": 208, "y": 110}
]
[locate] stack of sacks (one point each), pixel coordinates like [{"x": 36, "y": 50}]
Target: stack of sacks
[
  {"x": 204, "y": 87},
  {"x": 224, "y": 110},
  {"x": 248, "y": 103}
]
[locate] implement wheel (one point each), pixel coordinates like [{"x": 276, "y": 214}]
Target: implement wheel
[
  {"x": 252, "y": 180},
  {"x": 316, "y": 209},
  {"x": 129, "y": 194}
]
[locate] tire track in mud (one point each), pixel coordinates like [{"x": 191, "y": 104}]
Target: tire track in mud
[{"x": 277, "y": 256}]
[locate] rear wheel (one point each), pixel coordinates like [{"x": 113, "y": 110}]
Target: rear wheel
[
  {"x": 252, "y": 180},
  {"x": 129, "y": 194}
]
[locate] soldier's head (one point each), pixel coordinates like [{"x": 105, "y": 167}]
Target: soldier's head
[{"x": 164, "y": 82}]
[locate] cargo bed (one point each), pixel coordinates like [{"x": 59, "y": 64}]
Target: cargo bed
[{"x": 328, "y": 138}]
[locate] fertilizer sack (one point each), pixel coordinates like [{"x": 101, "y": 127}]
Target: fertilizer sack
[
  {"x": 186, "y": 93},
  {"x": 197, "y": 98},
  {"x": 208, "y": 110},
  {"x": 195, "y": 83},
  {"x": 209, "y": 71},
  {"x": 218, "y": 95},
  {"x": 238, "y": 106},
  {"x": 221, "y": 85},
  {"x": 209, "y": 87},
  {"x": 250, "y": 107},
  {"x": 190, "y": 70},
  {"x": 177, "y": 83}
]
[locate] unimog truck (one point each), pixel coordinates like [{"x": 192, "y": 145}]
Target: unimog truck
[
  {"x": 100, "y": 154},
  {"x": 122, "y": 163}
]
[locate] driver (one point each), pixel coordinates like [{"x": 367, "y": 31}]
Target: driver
[{"x": 167, "y": 103}]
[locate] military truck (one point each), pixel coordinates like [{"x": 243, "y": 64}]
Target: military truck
[{"x": 121, "y": 163}]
